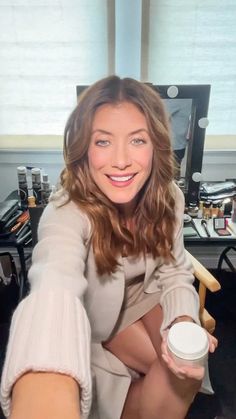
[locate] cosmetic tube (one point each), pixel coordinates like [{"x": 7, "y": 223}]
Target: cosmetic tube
[
  {"x": 36, "y": 184},
  {"x": 22, "y": 186}
]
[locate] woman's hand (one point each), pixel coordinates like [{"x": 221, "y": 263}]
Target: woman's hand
[
  {"x": 213, "y": 342},
  {"x": 185, "y": 371}
]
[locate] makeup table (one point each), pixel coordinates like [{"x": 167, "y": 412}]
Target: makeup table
[{"x": 208, "y": 249}]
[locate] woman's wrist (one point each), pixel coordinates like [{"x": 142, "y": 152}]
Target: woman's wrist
[{"x": 183, "y": 318}]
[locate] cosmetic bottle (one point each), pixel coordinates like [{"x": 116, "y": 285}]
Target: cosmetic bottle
[
  {"x": 214, "y": 210},
  {"x": 31, "y": 202},
  {"x": 221, "y": 210},
  {"x": 200, "y": 210},
  {"x": 207, "y": 210},
  {"x": 193, "y": 209},
  {"x": 233, "y": 212},
  {"x": 36, "y": 184},
  {"x": 22, "y": 186},
  {"x": 46, "y": 189}
]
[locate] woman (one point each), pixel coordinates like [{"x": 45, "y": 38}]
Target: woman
[{"x": 109, "y": 273}]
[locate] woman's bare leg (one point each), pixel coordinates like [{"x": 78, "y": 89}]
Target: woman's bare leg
[
  {"x": 133, "y": 338},
  {"x": 159, "y": 394},
  {"x": 176, "y": 394}
]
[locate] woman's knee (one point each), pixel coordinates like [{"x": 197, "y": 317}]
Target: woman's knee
[
  {"x": 133, "y": 347},
  {"x": 187, "y": 388}
]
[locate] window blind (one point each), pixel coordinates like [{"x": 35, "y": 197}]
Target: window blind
[
  {"x": 47, "y": 48},
  {"x": 194, "y": 42}
]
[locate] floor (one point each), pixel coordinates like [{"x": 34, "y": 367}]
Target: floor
[{"x": 222, "y": 305}]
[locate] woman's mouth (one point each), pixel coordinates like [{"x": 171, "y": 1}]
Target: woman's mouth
[{"x": 121, "y": 180}]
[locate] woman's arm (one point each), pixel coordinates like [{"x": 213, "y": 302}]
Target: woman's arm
[
  {"x": 50, "y": 329},
  {"x": 45, "y": 395},
  {"x": 178, "y": 297}
]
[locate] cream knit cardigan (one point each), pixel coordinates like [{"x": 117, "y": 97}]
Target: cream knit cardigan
[{"x": 50, "y": 329}]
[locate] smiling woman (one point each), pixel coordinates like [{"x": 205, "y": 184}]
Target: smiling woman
[
  {"x": 109, "y": 273},
  {"x": 120, "y": 153}
]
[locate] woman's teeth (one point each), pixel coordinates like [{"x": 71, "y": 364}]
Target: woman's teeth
[{"x": 121, "y": 178}]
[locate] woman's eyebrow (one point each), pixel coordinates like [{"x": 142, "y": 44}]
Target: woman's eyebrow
[
  {"x": 101, "y": 131},
  {"x": 138, "y": 131}
]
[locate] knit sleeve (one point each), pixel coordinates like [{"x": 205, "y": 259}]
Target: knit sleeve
[
  {"x": 179, "y": 296},
  {"x": 50, "y": 330}
]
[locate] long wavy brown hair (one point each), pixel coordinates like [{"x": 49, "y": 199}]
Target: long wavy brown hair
[{"x": 153, "y": 218}]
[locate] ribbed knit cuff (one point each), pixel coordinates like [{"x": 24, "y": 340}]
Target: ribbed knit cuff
[
  {"x": 179, "y": 301},
  {"x": 50, "y": 332}
]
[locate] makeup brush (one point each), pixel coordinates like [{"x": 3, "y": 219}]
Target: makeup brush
[{"x": 204, "y": 225}]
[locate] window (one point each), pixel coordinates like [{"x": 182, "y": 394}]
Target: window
[
  {"x": 194, "y": 42},
  {"x": 46, "y": 49}
]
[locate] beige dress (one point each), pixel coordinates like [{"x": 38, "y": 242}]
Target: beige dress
[{"x": 136, "y": 302}]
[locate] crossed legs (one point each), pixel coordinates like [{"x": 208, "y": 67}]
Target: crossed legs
[{"x": 159, "y": 394}]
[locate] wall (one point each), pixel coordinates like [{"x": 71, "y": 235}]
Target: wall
[
  {"x": 217, "y": 165},
  {"x": 50, "y": 161}
]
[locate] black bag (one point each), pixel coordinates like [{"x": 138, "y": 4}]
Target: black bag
[
  {"x": 14, "y": 222},
  {"x": 9, "y": 287},
  {"x": 7, "y": 209}
]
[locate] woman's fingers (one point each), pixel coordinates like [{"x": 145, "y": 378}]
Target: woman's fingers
[
  {"x": 173, "y": 367},
  {"x": 184, "y": 371},
  {"x": 194, "y": 372},
  {"x": 181, "y": 371},
  {"x": 213, "y": 342}
]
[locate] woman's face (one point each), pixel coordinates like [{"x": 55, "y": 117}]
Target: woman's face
[{"x": 120, "y": 153}]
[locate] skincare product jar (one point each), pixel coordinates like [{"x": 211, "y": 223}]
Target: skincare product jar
[{"x": 188, "y": 344}]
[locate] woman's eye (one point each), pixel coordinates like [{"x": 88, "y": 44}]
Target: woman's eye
[
  {"x": 138, "y": 141},
  {"x": 102, "y": 143}
]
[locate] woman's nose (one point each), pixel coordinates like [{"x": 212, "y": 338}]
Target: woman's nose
[{"x": 121, "y": 157}]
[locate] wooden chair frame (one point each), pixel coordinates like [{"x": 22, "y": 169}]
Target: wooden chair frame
[{"x": 206, "y": 282}]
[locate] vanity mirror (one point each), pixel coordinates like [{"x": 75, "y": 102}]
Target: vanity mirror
[{"x": 187, "y": 106}]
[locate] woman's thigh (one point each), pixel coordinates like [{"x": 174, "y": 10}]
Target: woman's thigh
[
  {"x": 133, "y": 347},
  {"x": 152, "y": 322}
]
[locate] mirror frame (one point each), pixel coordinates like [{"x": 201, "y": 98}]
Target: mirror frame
[{"x": 200, "y": 94}]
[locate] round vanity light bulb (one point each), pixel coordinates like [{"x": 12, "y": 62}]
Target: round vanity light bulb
[
  {"x": 196, "y": 176},
  {"x": 203, "y": 122},
  {"x": 172, "y": 91}
]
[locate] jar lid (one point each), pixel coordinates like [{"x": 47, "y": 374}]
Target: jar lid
[
  {"x": 36, "y": 171},
  {"x": 187, "y": 340},
  {"x": 21, "y": 169}
]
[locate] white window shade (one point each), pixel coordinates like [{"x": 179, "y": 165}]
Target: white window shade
[
  {"x": 47, "y": 48},
  {"x": 194, "y": 42}
]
